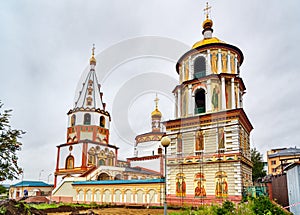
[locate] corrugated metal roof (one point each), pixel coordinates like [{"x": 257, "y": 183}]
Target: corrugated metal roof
[
  {"x": 142, "y": 181},
  {"x": 286, "y": 152},
  {"x": 31, "y": 184}
]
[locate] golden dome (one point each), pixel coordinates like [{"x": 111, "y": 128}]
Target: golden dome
[
  {"x": 208, "y": 23},
  {"x": 93, "y": 59},
  {"x": 207, "y": 41},
  {"x": 156, "y": 113}
]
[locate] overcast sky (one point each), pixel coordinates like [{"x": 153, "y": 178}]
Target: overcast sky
[{"x": 45, "y": 48}]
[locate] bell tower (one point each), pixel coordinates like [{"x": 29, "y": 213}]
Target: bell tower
[
  {"x": 156, "y": 117},
  {"x": 87, "y": 142},
  {"x": 210, "y": 135}
]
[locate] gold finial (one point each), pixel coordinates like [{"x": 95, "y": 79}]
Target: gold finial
[
  {"x": 156, "y": 113},
  {"x": 93, "y": 49},
  {"x": 156, "y": 101},
  {"x": 93, "y": 60},
  {"x": 207, "y": 10}
]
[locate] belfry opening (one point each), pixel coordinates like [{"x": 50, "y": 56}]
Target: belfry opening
[{"x": 200, "y": 101}]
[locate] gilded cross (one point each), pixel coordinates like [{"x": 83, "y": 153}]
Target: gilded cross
[
  {"x": 156, "y": 101},
  {"x": 93, "y": 49},
  {"x": 206, "y": 10}
]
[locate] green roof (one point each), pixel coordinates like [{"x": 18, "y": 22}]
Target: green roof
[
  {"x": 31, "y": 184},
  {"x": 135, "y": 181}
]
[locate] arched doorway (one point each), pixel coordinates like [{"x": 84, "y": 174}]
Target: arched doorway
[
  {"x": 200, "y": 101},
  {"x": 103, "y": 176}
]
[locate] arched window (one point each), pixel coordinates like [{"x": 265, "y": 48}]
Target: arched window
[
  {"x": 102, "y": 121},
  {"x": 91, "y": 156},
  {"x": 70, "y": 162},
  {"x": 199, "y": 67},
  {"x": 118, "y": 177},
  {"x": 200, "y": 101},
  {"x": 73, "y": 120},
  {"x": 101, "y": 162},
  {"x": 87, "y": 119}
]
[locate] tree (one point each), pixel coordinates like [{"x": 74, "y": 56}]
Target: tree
[
  {"x": 9, "y": 145},
  {"x": 258, "y": 165}
]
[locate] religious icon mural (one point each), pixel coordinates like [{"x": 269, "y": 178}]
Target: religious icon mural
[
  {"x": 221, "y": 141},
  {"x": 214, "y": 60},
  {"x": 200, "y": 185},
  {"x": 180, "y": 185},
  {"x": 215, "y": 98},
  {"x": 221, "y": 184},
  {"x": 199, "y": 141}
]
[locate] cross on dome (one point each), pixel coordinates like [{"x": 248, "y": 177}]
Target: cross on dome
[
  {"x": 207, "y": 10},
  {"x": 93, "y": 59},
  {"x": 156, "y": 101}
]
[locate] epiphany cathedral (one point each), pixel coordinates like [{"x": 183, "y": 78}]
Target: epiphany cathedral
[{"x": 208, "y": 159}]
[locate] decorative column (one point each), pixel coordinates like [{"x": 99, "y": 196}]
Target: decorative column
[
  {"x": 190, "y": 69},
  {"x": 208, "y": 96},
  {"x": 232, "y": 94},
  {"x": 179, "y": 103},
  {"x": 238, "y": 97},
  {"x": 219, "y": 61},
  {"x": 176, "y": 105},
  {"x": 190, "y": 107},
  {"x": 235, "y": 65},
  {"x": 123, "y": 193},
  {"x": 134, "y": 195},
  {"x": 112, "y": 195},
  {"x": 208, "y": 63},
  {"x": 223, "y": 94},
  {"x": 228, "y": 63},
  {"x": 182, "y": 72}
]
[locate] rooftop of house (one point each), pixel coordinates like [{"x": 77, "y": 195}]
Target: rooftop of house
[
  {"x": 32, "y": 184},
  {"x": 285, "y": 152}
]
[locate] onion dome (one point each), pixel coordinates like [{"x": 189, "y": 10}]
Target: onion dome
[
  {"x": 207, "y": 32},
  {"x": 93, "y": 59},
  {"x": 156, "y": 112}
]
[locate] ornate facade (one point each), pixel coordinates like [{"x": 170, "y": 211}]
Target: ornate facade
[{"x": 209, "y": 154}]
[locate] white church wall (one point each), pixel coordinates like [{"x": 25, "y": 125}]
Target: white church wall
[
  {"x": 76, "y": 152},
  {"x": 147, "y": 148}
]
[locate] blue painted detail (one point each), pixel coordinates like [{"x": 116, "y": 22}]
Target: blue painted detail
[
  {"x": 142, "y": 181},
  {"x": 32, "y": 184}
]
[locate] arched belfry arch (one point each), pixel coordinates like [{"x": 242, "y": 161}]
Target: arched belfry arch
[
  {"x": 199, "y": 66},
  {"x": 199, "y": 99}
]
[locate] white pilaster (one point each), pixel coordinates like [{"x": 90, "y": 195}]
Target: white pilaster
[
  {"x": 235, "y": 65},
  {"x": 238, "y": 97},
  {"x": 223, "y": 93},
  {"x": 228, "y": 63},
  {"x": 182, "y": 72},
  {"x": 208, "y": 96},
  {"x": 219, "y": 61},
  {"x": 190, "y": 69},
  {"x": 232, "y": 94},
  {"x": 208, "y": 63},
  {"x": 176, "y": 105},
  {"x": 179, "y": 103},
  {"x": 190, "y": 107}
]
